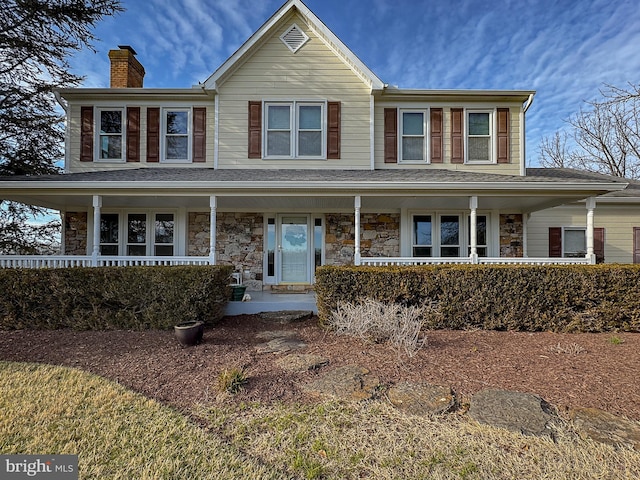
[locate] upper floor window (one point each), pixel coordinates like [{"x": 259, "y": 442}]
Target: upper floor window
[
  {"x": 176, "y": 133},
  {"x": 294, "y": 130},
  {"x": 479, "y": 134},
  {"x": 413, "y": 127},
  {"x": 110, "y": 134}
]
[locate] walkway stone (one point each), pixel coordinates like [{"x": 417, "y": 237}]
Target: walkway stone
[
  {"x": 421, "y": 398},
  {"x": 345, "y": 383},
  {"x": 519, "y": 412},
  {"x": 605, "y": 427},
  {"x": 298, "y": 362},
  {"x": 281, "y": 345},
  {"x": 287, "y": 316}
]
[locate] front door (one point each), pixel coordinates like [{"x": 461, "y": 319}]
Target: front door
[
  {"x": 636, "y": 244},
  {"x": 294, "y": 250}
]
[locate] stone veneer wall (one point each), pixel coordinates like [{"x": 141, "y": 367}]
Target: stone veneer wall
[
  {"x": 511, "y": 235},
  {"x": 198, "y": 233},
  {"x": 75, "y": 233},
  {"x": 380, "y": 236}
]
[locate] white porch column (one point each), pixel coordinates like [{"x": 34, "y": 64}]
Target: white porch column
[
  {"x": 591, "y": 205},
  {"x": 473, "y": 234},
  {"x": 356, "y": 258},
  {"x": 97, "y": 204},
  {"x": 213, "y": 203}
]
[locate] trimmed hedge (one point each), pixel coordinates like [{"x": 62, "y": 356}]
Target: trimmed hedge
[
  {"x": 562, "y": 298},
  {"x": 105, "y": 298}
]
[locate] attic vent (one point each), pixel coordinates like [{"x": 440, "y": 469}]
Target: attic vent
[{"x": 294, "y": 38}]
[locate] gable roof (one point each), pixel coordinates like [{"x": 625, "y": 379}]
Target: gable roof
[{"x": 320, "y": 29}]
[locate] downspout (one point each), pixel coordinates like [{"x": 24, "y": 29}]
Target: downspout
[{"x": 523, "y": 148}]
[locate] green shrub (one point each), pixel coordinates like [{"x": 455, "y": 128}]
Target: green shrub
[
  {"x": 105, "y": 298},
  {"x": 567, "y": 298}
]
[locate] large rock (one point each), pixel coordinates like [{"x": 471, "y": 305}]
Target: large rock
[
  {"x": 281, "y": 345},
  {"x": 605, "y": 427},
  {"x": 302, "y": 362},
  {"x": 345, "y": 383},
  {"x": 519, "y": 412},
  {"x": 421, "y": 398}
]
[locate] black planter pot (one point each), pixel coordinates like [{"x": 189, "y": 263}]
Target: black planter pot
[{"x": 189, "y": 333}]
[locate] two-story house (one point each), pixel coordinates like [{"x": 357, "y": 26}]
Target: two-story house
[{"x": 294, "y": 154}]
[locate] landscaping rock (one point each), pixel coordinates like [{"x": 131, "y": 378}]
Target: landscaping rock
[
  {"x": 345, "y": 383},
  {"x": 519, "y": 412},
  {"x": 421, "y": 398},
  {"x": 302, "y": 362},
  {"x": 287, "y": 316},
  {"x": 605, "y": 427},
  {"x": 272, "y": 334},
  {"x": 281, "y": 345}
]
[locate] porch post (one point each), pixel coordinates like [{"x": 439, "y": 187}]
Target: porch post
[
  {"x": 473, "y": 234},
  {"x": 591, "y": 205},
  {"x": 213, "y": 203},
  {"x": 356, "y": 259},
  {"x": 97, "y": 204}
]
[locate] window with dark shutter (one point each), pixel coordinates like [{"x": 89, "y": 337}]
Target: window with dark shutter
[
  {"x": 555, "y": 242},
  {"x": 436, "y": 135},
  {"x": 86, "y": 134},
  {"x": 133, "y": 134},
  {"x": 333, "y": 130},
  {"x": 199, "y": 134},
  {"x": 503, "y": 135},
  {"x": 457, "y": 139},
  {"x": 255, "y": 130},
  {"x": 153, "y": 134},
  {"x": 390, "y": 135}
]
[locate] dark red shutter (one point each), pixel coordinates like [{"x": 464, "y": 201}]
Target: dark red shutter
[
  {"x": 390, "y": 135},
  {"x": 86, "y": 134},
  {"x": 153, "y": 134},
  {"x": 199, "y": 134},
  {"x": 555, "y": 242},
  {"x": 436, "y": 135},
  {"x": 503, "y": 135},
  {"x": 133, "y": 134},
  {"x": 255, "y": 130},
  {"x": 333, "y": 130},
  {"x": 598, "y": 244},
  {"x": 457, "y": 138}
]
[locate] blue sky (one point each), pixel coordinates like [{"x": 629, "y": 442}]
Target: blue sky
[{"x": 564, "y": 49}]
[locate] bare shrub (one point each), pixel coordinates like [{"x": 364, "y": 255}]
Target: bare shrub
[
  {"x": 570, "y": 349},
  {"x": 378, "y": 322}
]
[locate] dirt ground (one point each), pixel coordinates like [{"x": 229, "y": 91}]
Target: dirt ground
[{"x": 567, "y": 370}]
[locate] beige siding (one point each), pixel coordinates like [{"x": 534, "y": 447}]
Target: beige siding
[
  {"x": 512, "y": 168},
  {"x": 74, "y": 164},
  {"x": 617, "y": 220},
  {"x": 275, "y": 73}
]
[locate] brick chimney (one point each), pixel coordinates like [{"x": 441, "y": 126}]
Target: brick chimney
[{"x": 126, "y": 70}]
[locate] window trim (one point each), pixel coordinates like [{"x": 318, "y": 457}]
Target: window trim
[
  {"x": 164, "y": 135},
  {"x": 150, "y": 233},
  {"x": 294, "y": 117},
  {"x": 492, "y": 136},
  {"x": 425, "y": 135},
  {"x": 98, "y": 135}
]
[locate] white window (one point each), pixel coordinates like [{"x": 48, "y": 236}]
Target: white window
[
  {"x": 163, "y": 238},
  {"x": 413, "y": 127},
  {"x": 447, "y": 234},
  {"x": 450, "y": 235},
  {"x": 481, "y": 235},
  {"x": 110, "y": 134},
  {"x": 422, "y": 238},
  {"x": 295, "y": 130},
  {"x": 109, "y": 233},
  {"x": 479, "y": 135},
  {"x": 176, "y": 131},
  {"x": 150, "y": 233},
  {"x": 574, "y": 243}
]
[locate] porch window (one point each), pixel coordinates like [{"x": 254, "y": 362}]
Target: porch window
[
  {"x": 449, "y": 236},
  {"x": 413, "y": 146},
  {"x": 294, "y": 130},
  {"x": 110, "y": 134},
  {"x": 136, "y": 234},
  {"x": 176, "y": 133},
  {"x": 479, "y": 131},
  {"x": 422, "y": 236},
  {"x": 481, "y": 235},
  {"x": 163, "y": 238},
  {"x": 575, "y": 243},
  {"x": 109, "y": 233}
]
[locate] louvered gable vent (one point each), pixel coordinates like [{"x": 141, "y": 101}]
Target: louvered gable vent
[{"x": 294, "y": 38}]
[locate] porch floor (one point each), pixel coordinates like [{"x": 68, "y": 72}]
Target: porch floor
[{"x": 268, "y": 301}]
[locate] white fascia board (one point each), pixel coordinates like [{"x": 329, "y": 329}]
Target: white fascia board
[
  {"x": 76, "y": 94},
  {"x": 516, "y": 95},
  {"x": 315, "y": 24}
]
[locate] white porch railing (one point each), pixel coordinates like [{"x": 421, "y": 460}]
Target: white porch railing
[
  {"x": 66, "y": 261},
  {"x": 384, "y": 261}
]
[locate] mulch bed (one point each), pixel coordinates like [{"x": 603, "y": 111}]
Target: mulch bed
[{"x": 567, "y": 370}]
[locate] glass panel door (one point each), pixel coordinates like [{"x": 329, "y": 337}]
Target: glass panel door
[{"x": 294, "y": 249}]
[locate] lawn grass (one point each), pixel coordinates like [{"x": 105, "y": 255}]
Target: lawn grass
[{"x": 120, "y": 434}]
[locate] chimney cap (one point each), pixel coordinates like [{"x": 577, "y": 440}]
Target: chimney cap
[{"x": 127, "y": 47}]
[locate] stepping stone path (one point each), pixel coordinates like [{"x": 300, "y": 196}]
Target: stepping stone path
[
  {"x": 281, "y": 345},
  {"x": 301, "y": 362},
  {"x": 346, "y": 383},
  {"x": 287, "y": 316},
  {"x": 519, "y": 412},
  {"x": 421, "y": 398},
  {"x": 605, "y": 427}
]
